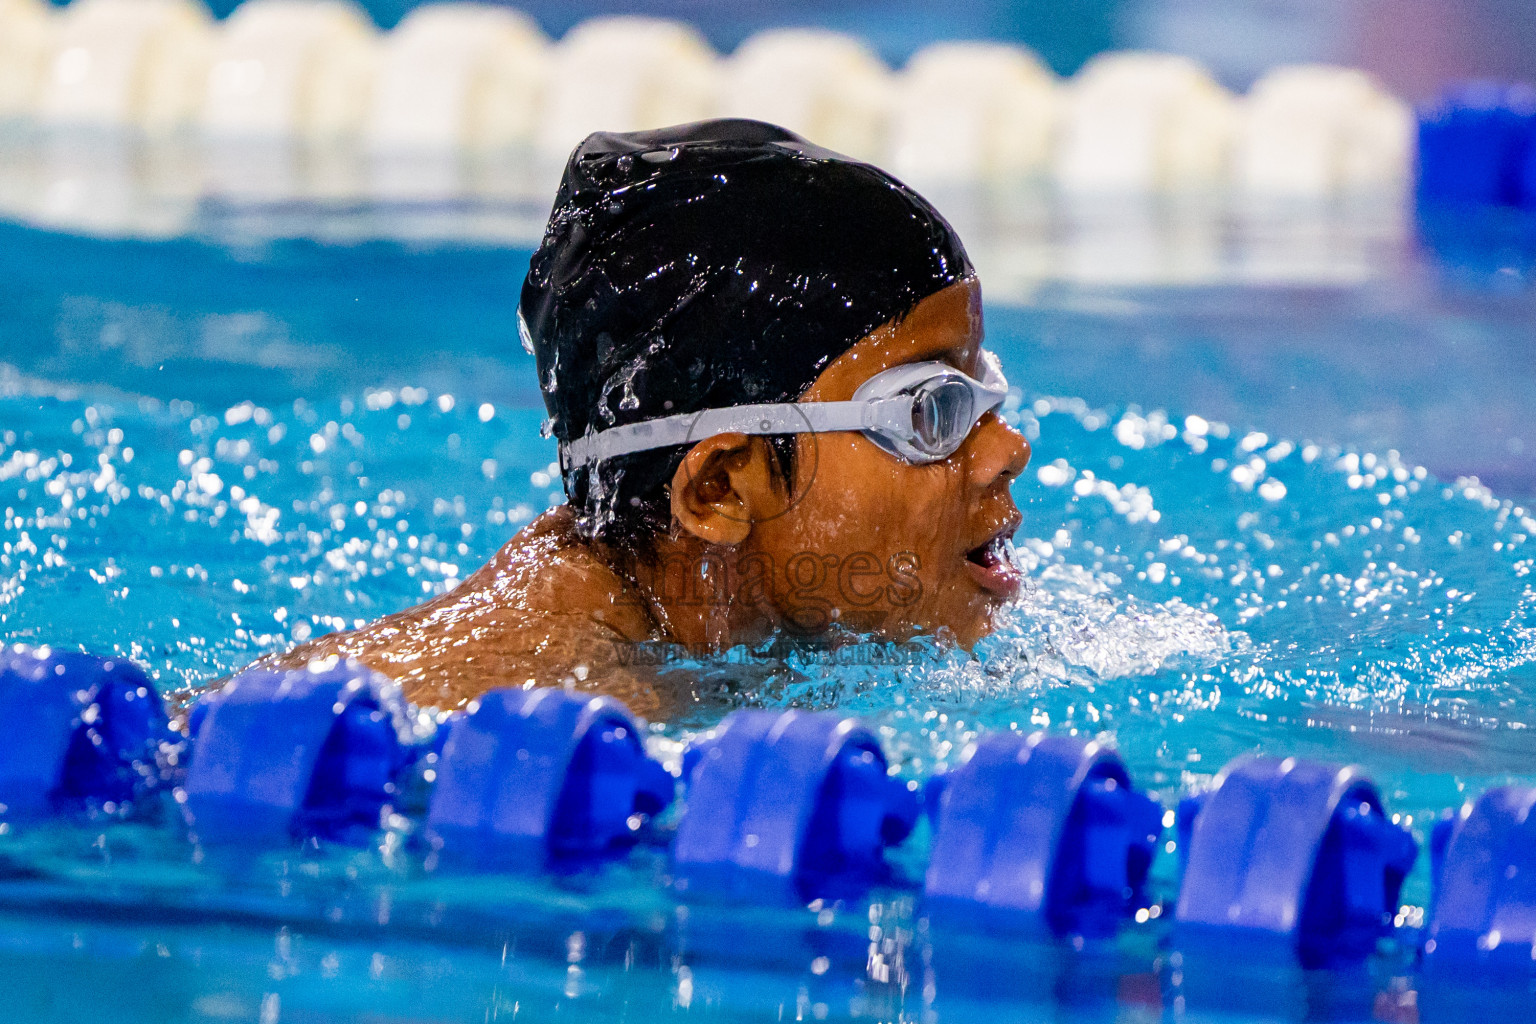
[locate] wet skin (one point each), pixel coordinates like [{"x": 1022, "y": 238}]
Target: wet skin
[{"x": 860, "y": 540}]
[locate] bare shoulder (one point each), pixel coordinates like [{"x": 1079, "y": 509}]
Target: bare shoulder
[{"x": 547, "y": 609}]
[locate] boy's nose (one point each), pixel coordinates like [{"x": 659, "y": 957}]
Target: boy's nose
[{"x": 998, "y": 453}]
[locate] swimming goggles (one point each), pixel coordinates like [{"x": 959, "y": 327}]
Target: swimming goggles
[{"x": 918, "y": 412}]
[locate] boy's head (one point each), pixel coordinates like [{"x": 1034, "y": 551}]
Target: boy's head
[{"x": 730, "y": 263}]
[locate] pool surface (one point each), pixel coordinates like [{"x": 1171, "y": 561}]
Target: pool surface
[{"x": 1287, "y": 516}]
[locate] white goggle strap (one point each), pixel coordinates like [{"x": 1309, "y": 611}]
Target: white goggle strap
[{"x": 686, "y": 428}]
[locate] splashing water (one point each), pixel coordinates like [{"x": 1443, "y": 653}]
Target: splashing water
[{"x": 1193, "y": 594}]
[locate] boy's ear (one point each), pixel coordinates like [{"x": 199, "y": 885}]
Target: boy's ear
[{"x": 726, "y": 484}]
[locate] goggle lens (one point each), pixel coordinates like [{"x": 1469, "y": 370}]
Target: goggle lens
[{"x": 941, "y": 417}]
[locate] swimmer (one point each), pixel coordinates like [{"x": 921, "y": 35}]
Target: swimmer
[{"x": 763, "y": 362}]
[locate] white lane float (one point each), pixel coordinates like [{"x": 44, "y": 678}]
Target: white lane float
[
  {"x": 1314, "y": 131},
  {"x": 827, "y": 86},
  {"x": 25, "y": 42},
  {"x": 128, "y": 64},
  {"x": 291, "y": 70},
  {"x": 973, "y": 112},
  {"x": 1144, "y": 122},
  {"x": 305, "y": 99},
  {"x": 625, "y": 73},
  {"x": 459, "y": 76}
]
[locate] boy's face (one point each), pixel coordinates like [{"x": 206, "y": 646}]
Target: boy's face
[{"x": 877, "y": 544}]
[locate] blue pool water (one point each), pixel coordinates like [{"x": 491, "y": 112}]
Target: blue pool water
[{"x": 1294, "y": 520}]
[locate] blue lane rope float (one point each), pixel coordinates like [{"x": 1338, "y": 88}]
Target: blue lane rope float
[
  {"x": 534, "y": 778},
  {"x": 81, "y": 733},
  {"x": 1040, "y": 832},
  {"x": 300, "y": 753},
  {"x": 1036, "y": 832},
  {"x": 788, "y": 804},
  {"x": 1293, "y": 851},
  {"x": 1483, "y": 914},
  {"x": 1477, "y": 147}
]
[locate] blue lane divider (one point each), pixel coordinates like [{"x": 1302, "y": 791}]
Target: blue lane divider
[
  {"x": 1041, "y": 831},
  {"x": 1293, "y": 850},
  {"x": 1484, "y": 909},
  {"x": 532, "y": 778},
  {"x": 1476, "y": 147},
  {"x": 789, "y": 805},
  {"x": 303, "y": 753},
  {"x": 1032, "y": 832},
  {"x": 81, "y": 732}
]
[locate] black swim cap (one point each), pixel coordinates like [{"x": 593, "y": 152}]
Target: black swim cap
[{"x": 708, "y": 265}]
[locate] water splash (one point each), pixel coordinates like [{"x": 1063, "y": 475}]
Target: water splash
[{"x": 1194, "y": 592}]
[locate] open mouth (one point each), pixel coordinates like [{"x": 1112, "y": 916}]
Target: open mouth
[
  {"x": 991, "y": 564},
  {"x": 993, "y": 552}
]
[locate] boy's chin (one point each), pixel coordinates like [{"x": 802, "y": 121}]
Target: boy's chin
[{"x": 967, "y": 635}]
